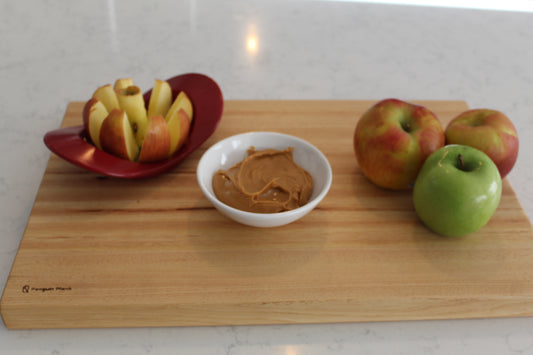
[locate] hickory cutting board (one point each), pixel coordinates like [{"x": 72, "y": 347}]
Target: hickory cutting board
[{"x": 103, "y": 252}]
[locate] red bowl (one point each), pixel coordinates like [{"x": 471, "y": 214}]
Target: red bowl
[{"x": 72, "y": 144}]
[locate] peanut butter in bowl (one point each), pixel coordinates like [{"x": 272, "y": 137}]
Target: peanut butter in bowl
[{"x": 266, "y": 181}]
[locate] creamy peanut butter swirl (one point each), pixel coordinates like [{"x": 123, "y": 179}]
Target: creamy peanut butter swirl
[{"x": 266, "y": 181}]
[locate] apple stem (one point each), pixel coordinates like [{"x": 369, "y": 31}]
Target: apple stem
[
  {"x": 461, "y": 161},
  {"x": 406, "y": 126}
]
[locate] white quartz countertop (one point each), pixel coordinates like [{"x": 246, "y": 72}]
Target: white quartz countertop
[{"x": 54, "y": 52}]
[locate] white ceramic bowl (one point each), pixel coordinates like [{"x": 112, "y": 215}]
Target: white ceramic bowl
[{"x": 232, "y": 150}]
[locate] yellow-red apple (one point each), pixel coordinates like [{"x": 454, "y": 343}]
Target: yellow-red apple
[
  {"x": 179, "y": 125},
  {"x": 160, "y": 99},
  {"x": 94, "y": 113},
  {"x": 131, "y": 100},
  {"x": 123, "y": 83},
  {"x": 106, "y": 94},
  {"x": 117, "y": 137},
  {"x": 117, "y": 113},
  {"x": 182, "y": 102},
  {"x": 156, "y": 144},
  {"x": 393, "y": 139},
  {"x": 490, "y": 131}
]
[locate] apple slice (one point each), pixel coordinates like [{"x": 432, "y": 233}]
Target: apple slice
[
  {"x": 156, "y": 143},
  {"x": 131, "y": 100},
  {"x": 182, "y": 102},
  {"x": 179, "y": 125},
  {"x": 107, "y": 96},
  {"x": 123, "y": 83},
  {"x": 94, "y": 113},
  {"x": 117, "y": 137},
  {"x": 160, "y": 99}
]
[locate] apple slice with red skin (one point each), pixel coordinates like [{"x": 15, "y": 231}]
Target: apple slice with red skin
[
  {"x": 166, "y": 123},
  {"x": 131, "y": 100},
  {"x": 157, "y": 140},
  {"x": 117, "y": 137},
  {"x": 179, "y": 125},
  {"x": 106, "y": 94},
  {"x": 161, "y": 99},
  {"x": 94, "y": 114},
  {"x": 181, "y": 102}
]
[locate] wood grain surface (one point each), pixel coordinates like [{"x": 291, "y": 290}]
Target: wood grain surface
[{"x": 104, "y": 252}]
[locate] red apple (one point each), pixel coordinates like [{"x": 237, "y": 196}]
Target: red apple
[
  {"x": 117, "y": 137},
  {"x": 160, "y": 99},
  {"x": 393, "y": 139},
  {"x": 156, "y": 144},
  {"x": 165, "y": 123},
  {"x": 94, "y": 113},
  {"x": 106, "y": 94},
  {"x": 179, "y": 125},
  {"x": 489, "y": 131},
  {"x": 181, "y": 102},
  {"x": 131, "y": 100}
]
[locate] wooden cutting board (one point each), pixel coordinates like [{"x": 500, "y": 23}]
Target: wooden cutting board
[{"x": 103, "y": 252}]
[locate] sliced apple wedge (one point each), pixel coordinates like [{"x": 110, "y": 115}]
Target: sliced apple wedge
[
  {"x": 160, "y": 99},
  {"x": 131, "y": 100},
  {"x": 123, "y": 83},
  {"x": 94, "y": 113},
  {"x": 117, "y": 120},
  {"x": 117, "y": 137},
  {"x": 106, "y": 94},
  {"x": 182, "y": 102},
  {"x": 156, "y": 143},
  {"x": 179, "y": 125}
]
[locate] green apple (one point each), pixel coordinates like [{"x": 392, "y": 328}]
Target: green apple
[{"x": 457, "y": 190}]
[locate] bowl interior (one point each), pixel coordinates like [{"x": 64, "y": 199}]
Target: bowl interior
[{"x": 232, "y": 150}]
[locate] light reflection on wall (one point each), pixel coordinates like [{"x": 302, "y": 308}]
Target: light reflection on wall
[
  {"x": 251, "y": 44},
  {"x": 291, "y": 350},
  {"x": 252, "y": 40}
]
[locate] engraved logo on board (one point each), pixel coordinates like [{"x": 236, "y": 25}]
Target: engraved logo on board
[{"x": 31, "y": 289}]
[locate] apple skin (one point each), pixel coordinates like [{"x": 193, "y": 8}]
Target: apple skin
[
  {"x": 181, "y": 102},
  {"x": 107, "y": 96},
  {"x": 455, "y": 200},
  {"x": 179, "y": 125},
  {"x": 94, "y": 114},
  {"x": 160, "y": 99},
  {"x": 131, "y": 100},
  {"x": 165, "y": 129},
  {"x": 117, "y": 137},
  {"x": 393, "y": 139},
  {"x": 489, "y": 131},
  {"x": 156, "y": 144}
]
